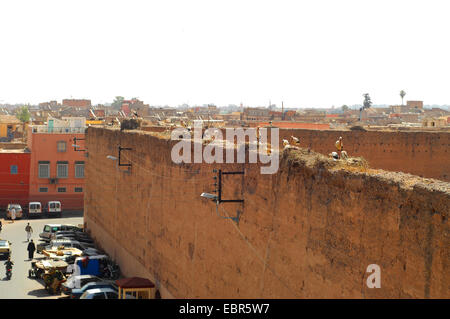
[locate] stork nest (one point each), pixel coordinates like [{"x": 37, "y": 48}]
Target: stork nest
[{"x": 313, "y": 159}]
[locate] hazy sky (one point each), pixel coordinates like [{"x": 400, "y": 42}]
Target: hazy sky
[{"x": 305, "y": 53}]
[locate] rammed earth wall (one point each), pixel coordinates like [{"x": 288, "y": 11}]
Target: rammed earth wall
[{"x": 308, "y": 231}]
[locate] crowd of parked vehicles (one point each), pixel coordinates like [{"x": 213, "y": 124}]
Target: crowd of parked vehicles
[
  {"x": 68, "y": 261},
  {"x": 71, "y": 261},
  {"x": 34, "y": 209}
]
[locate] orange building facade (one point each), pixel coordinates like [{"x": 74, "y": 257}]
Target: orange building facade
[
  {"x": 14, "y": 177},
  {"x": 56, "y": 169}
]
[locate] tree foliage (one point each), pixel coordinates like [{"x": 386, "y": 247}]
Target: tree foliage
[
  {"x": 23, "y": 114},
  {"x": 367, "y": 102},
  {"x": 117, "y": 103},
  {"x": 402, "y": 95}
]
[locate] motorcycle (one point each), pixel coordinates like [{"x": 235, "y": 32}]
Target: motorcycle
[
  {"x": 111, "y": 271},
  {"x": 8, "y": 272}
]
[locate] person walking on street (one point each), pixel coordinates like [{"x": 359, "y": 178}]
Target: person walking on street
[
  {"x": 13, "y": 214},
  {"x": 29, "y": 230},
  {"x": 31, "y": 248}
]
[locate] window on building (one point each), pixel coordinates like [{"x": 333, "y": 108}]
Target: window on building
[
  {"x": 79, "y": 169},
  {"x": 61, "y": 146},
  {"x": 43, "y": 189},
  {"x": 61, "y": 189},
  {"x": 62, "y": 170},
  {"x": 44, "y": 169},
  {"x": 14, "y": 169},
  {"x": 78, "y": 189}
]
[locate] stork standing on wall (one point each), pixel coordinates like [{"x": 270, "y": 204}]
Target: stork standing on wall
[
  {"x": 286, "y": 144},
  {"x": 295, "y": 140}
]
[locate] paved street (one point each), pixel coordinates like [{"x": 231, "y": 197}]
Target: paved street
[{"x": 20, "y": 286}]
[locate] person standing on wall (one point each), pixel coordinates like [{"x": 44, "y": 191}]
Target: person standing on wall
[
  {"x": 29, "y": 230},
  {"x": 339, "y": 146},
  {"x": 31, "y": 248}
]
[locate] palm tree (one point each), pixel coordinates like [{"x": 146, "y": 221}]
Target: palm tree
[{"x": 402, "y": 95}]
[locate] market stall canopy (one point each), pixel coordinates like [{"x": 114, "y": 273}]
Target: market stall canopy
[
  {"x": 134, "y": 282},
  {"x": 137, "y": 286}
]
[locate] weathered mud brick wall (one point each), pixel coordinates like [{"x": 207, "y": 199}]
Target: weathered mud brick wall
[
  {"x": 309, "y": 231},
  {"x": 424, "y": 154}
]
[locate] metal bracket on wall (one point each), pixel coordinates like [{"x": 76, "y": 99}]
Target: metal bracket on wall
[
  {"x": 218, "y": 190},
  {"x": 120, "y": 151},
  {"x": 75, "y": 146}
]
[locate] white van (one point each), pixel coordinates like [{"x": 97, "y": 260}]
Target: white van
[
  {"x": 17, "y": 208},
  {"x": 34, "y": 209},
  {"x": 53, "y": 208}
]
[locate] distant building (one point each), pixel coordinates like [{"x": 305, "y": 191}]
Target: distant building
[
  {"x": 99, "y": 113},
  {"x": 77, "y": 103},
  {"x": 134, "y": 105},
  {"x": 436, "y": 112},
  {"x": 9, "y": 124},
  {"x": 289, "y": 115},
  {"x": 406, "y": 117},
  {"x": 276, "y": 115},
  {"x": 297, "y": 125},
  {"x": 256, "y": 114},
  {"x": 436, "y": 121},
  {"x": 411, "y": 106},
  {"x": 48, "y": 104},
  {"x": 414, "y": 104},
  {"x": 398, "y": 109}
]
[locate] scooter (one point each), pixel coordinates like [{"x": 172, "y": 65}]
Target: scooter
[
  {"x": 9, "y": 272},
  {"x": 111, "y": 271}
]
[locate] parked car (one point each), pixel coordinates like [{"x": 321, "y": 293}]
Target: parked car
[
  {"x": 5, "y": 248},
  {"x": 53, "y": 208},
  {"x": 75, "y": 233},
  {"x": 85, "y": 241},
  {"x": 34, "y": 209},
  {"x": 69, "y": 234},
  {"x": 77, "y": 281},
  {"x": 18, "y": 209},
  {"x": 76, "y": 293},
  {"x": 103, "y": 293},
  {"x": 50, "y": 229}
]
